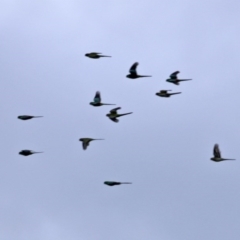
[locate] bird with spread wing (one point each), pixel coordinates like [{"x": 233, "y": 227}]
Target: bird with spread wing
[
  {"x": 165, "y": 93},
  {"x": 217, "y": 154},
  {"x": 86, "y": 142},
  {"x": 133, "y": 72},
  {"x": 113, "y": 115},
  {"x": 97, "y": 101},
  {"x": 174, "y": 79},
  {"x": 95, "y": 55}
]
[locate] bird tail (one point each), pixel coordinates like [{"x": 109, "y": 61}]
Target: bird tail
[
  {"x": 228, "y": 159},
  {"x": 37, "y": 152},
  {"x": 175, "y": 93},
  {"x": 104, "y": 56},
  {"x": 181, "y": 80},
  {"x": 107, "y": 104},
  {"x": 98, "y": 139},
  {"x": 119, "y": 115},
  {"x": 126, "y": 183},
  {"x": 37, "y": 116},
  {"x": 145, "y": 76}
]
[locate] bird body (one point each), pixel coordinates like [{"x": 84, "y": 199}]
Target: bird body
[
  {"x": 217, "y": 155},
  {"x": 97, "y": 101},
  {"x": 27, "y": 117},
  {"x": 174, "y": 79},
  {"x": 133, "y": 72},
  {"x": 112, "y": 183},
  {"x": 86, "y": 142},
  {"x": 95, "y": 55},
  {"x": 113, "y": 115},
  {"x": 27, "y": 152},
  {"x": 164, "y": 93}
]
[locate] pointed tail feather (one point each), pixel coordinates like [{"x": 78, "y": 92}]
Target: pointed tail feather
[
  {"x": 228, "y": 159},
  {"x": 144, "y": 76},
  {"x": 175, "y": 93},
  {"x": 104, "y": 56},
  {"x": 37, "y": 116},
  {"x": 37, "y": 152},
  {"x": 107, "y": 104},
  {"x": 181, "y": 80},
  {"x": 126, "y": 183},
  {"x": 119, "y": 115}
]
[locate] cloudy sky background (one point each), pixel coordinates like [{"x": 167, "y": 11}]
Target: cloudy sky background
[{"x": 164, "y": 147}]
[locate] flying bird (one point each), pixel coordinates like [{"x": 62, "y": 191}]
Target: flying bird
[
  {"x": 133, "y": 72},
  {"x": 86, "y": 142},
  {"x": 112, "y": 183},
  {"x": 27, "y": 117},
  {"x": 113, "y": 115},
  {"x": 95, "y": 55},
  {"x": 164, "y": 93},
  {"x": 27, "y": 152},
  {"x": 97, "y": 100},
  {"x": 174, "y": 79},
  {"x": 217, "y": 155}
]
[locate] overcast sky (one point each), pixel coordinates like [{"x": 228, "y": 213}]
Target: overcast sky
[{"x": 163, "y": 148}]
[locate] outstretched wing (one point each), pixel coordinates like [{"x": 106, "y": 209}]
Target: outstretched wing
[
  {"x": 114, "y": 119},
  {"x": 97, "y": 98},
  {"x": 174, "y": 75},
  {"x": 133, "y": 69},
  {"x": 164, "y": 91},
  {"x": 85, "y": 145},
  {"x": 216, "y": 151},
  {"x": 114, "y": 111},
  {"x": 95, "y": 53}
]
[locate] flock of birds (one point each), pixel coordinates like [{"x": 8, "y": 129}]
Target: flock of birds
[{"x": 114, "y": 115}]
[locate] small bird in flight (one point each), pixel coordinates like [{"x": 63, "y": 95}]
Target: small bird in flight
[
  {"x": 164, "y": 93},
  {"x": 27, "y": 117},
  {"x": 97, "y": 100},
  {"x": 174, "y": 79},
  {"x": 113, "y": 115},
  {"x": 95, "y": 55},
  {"x": 112, "y": 183},
  {"x": 217, "y": 155},
  {"x": 27, "y": 152},
  {"x": 133, "y": 72},
  {"x": 86, "y": 142}
]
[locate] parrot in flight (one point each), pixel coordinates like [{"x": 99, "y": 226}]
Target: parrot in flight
[
  {"x": 27, "y": 117},
  {"x": 217, "y": 155},
  {"x": 113, "y": 115},
  {"x": 97, "y": 100},
  {"x": 164, "y": 93},
  {"x": 174, "y": 79},
  {"x": 95, "y": 55},
  {"x": 133, "y": 72},
  {"x": 112, "y": 183},
  {"x": 27, "y": 152},
  {"x": 86, "y": 142}
]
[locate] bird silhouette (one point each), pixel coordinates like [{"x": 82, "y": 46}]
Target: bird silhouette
[
  {"x": 86, "y": 142},
  {"x": 174, "y": 79},
  {"x": 113, "y": 115},
  {"x": 217, "y": 155},
  {"x": 27, "y": 117},
  {"x": 27, "y": 152},
  {"x": 112, "y": 183},
  {"x": 133, "y": 72},
  {"x": 97, "y": 101},
  {"x": 95, "y": 55},
  {"x": 164, "y": 93}
]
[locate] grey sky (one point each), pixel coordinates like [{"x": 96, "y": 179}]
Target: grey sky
[{"x": 164, "y": 147}]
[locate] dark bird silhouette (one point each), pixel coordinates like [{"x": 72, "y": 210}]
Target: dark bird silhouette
[
  {"x": 217, "y": 155},
  {"x": 174, "y": 79},
  {"x": 133, "y": 72},
  {"x": 95, "y": 55},
  {"x": 27, "y": 152},
  {"x": 113, "y": 115},
  {"x": 97, "y": 101},
  {"x": 164, "y": 93},
  {"x": 27, "y": 117},
  {"x": 86, "y": 142},
  {"x": 112, "y": 183}
]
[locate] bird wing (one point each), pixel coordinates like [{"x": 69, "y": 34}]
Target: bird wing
[
  {"x": 85, "y": 145},
  {"x": 114, "y": 110},
  {"x": 97, "y": 98},
  {"x": 96, "y": 53},
  {"x": 163, "y": 91},
  {"x": 114, "y": 119},
  {"x": 174, "y": 75},
  {"x": 216, "y": 151},
  {"x": 133, "y": 68}
]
